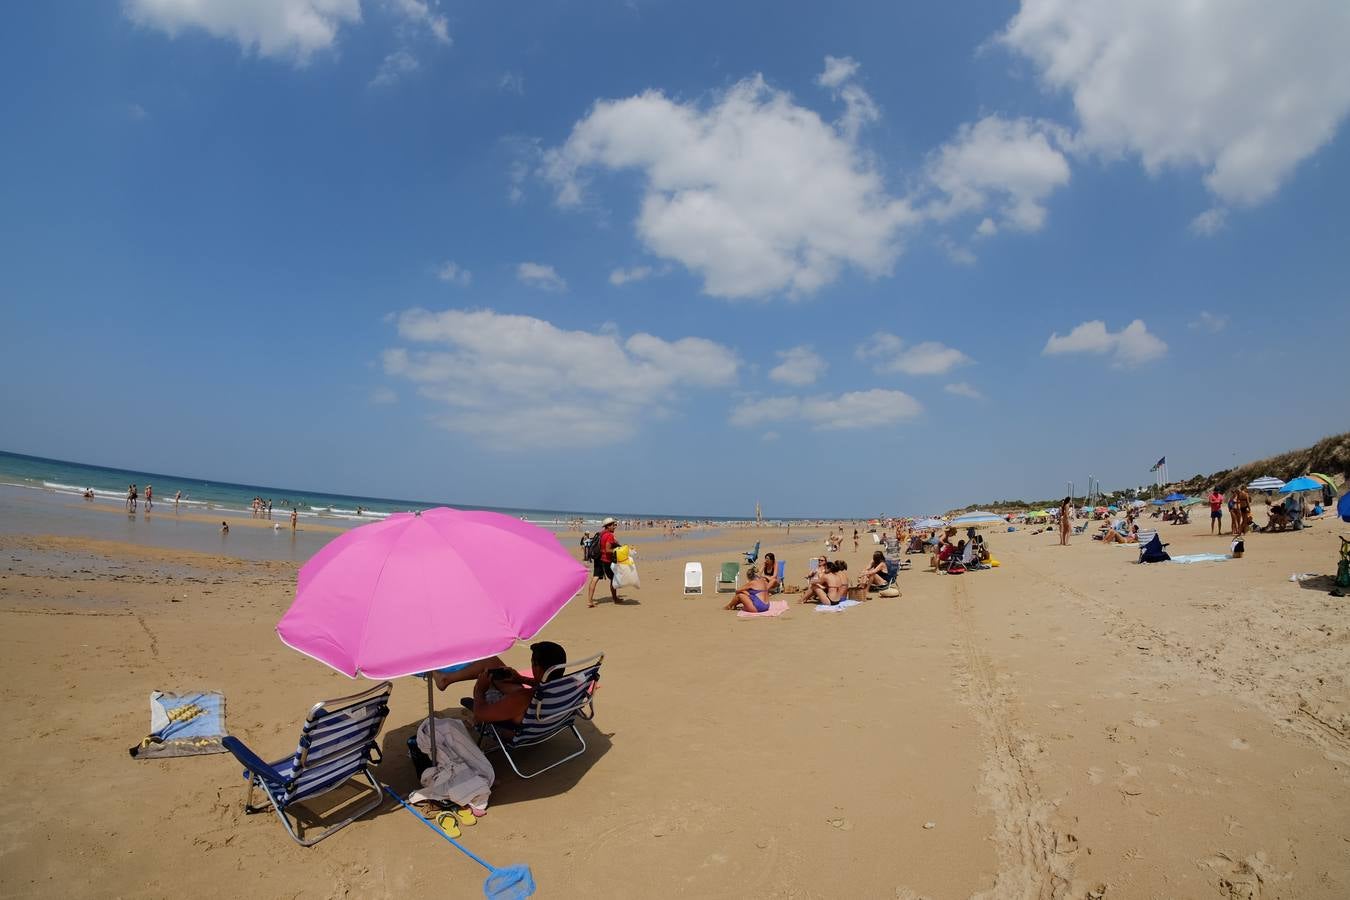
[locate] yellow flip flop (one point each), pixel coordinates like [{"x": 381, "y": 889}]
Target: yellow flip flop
[
  {"x": 448, "y": 822},
  {"x": 465, "y": 816}
]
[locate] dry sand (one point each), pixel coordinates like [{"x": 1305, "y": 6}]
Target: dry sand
[{"x": 1072, "y": 725}]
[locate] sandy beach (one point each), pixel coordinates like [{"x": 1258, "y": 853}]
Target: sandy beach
[{"x": 1070, "y": 724}]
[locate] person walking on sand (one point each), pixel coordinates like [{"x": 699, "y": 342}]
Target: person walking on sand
[
  {"x": 295, "y": 515},
  {"x": 855, "y": 540},
  {"x": 177, "y": 495},
  {"x": 1216, "y": 511},
  {"x": 604, "y": 561},
  {"x": 149, "y": 496},
  {"x": 1065, "y": 520}
]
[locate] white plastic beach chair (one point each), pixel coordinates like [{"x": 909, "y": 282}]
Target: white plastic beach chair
[{"x": 693, "y": 578}]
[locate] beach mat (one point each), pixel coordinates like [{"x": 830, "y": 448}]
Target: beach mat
[
  {"x": 190, "y": 724},
  {"x": 840, "y": 606},
  {"x": 776, "y": 608}
]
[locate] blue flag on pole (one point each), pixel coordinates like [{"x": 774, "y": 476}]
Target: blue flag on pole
[{"x": 1159, "y": 464}]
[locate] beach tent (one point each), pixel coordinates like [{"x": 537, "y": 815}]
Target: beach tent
[
  {"x": 1303, "y": 483},
  {"x": 1266, "y": 483},
  {"x": 1325, "y": 479}
]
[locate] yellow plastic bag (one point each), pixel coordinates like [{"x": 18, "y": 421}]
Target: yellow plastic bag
[{"x": 621, "y": 553}]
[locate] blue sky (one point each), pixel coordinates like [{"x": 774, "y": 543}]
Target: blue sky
[{"x": 674, "y": 257}]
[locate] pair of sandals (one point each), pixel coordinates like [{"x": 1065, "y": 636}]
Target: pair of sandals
[{"x": 451, "y": 820}]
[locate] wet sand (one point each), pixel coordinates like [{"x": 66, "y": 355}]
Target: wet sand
[{"x": 1071, "y": 724}]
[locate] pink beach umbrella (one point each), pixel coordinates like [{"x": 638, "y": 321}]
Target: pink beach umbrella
[{"x": 421, "y": 591}]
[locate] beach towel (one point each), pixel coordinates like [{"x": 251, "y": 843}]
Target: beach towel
[
  {"x": 1200, "y": 557},
  {"x": 462, "y": 773},
  {"x": 776, "y": 608},
  {"x": 189, "y": 724},
  {"x": 840, "y": 606}
]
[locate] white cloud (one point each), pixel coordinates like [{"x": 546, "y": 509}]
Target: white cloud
[
  {"x": 512, "y": 83},
  {"x": 1244, "y": 89},
  {"x": 540, "y": 276},
  {"x": 294, "y": 29},
  {"x": 1004, "y": 166},
  {"x": 137, "y": 113},
  {"x": 859, "y": 108},
  {"x": 1130, "y": 346},
  {"x": 838, "y": 69},
  {"x": 857, "y": 409},
  {"x": 620, "y": 277},
  {"x": 1211, "y": 322},
  {"x": 393, "y": 67},
  {"x": 752, "y": 191},
  {"x": 453, "y": 273},
  {"x": 505, "y": 380},
  {"x": 962, "y": 389},
  {"x": 890, "y": 354},
  {"x": 962, "y": 256},
  {"x": 422, "y": 13},
  {"x": 383, "y": 396},
  {"x": 1209, "y": 222},
  {"x": 799, "y": 366}
]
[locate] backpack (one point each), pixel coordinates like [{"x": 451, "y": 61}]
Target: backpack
[{"x": 590, "y": 550}]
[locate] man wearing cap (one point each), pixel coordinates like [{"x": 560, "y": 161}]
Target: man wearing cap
[{"x": 604, "y": 561}]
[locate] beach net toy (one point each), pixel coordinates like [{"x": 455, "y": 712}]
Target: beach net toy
[{"x": 505, "y": 883}]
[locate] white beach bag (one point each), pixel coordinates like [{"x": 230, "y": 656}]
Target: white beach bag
[{"x": 626, "y": 575}]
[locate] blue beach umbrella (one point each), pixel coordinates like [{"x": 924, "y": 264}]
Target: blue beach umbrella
[
  {"x": 1343, "y": 507},
  {"x": 1303, "y": 483},
  {"x": 1174, "y": 498}
]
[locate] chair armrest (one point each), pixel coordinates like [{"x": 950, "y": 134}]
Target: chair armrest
[{"x": 251, "y": 761}]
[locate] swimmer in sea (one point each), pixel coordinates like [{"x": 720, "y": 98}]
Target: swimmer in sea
[{"x": 224, "y": 527}]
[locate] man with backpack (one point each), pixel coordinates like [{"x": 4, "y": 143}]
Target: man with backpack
[{"x": 601, "y": 554}]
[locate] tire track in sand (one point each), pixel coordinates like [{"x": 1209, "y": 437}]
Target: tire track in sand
[{"x": 1035, "y": 860}]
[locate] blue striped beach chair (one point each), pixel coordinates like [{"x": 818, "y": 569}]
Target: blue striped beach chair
[
  {"x": 556, "y": 704},
  {"x": 337, "y": 743}
]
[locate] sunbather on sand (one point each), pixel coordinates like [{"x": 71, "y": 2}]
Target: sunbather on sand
[
  {"x": 753, "y": 596},
  {"x": 1115, "y": 537},
  {"x": 875, "y": 574},
  {"x": 831, "y": 586}
]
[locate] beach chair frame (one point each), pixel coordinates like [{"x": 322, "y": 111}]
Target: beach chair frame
[
  {"x": 721, "y": 572},
  {"x": 337, "y": 744},
  {"x": 555, "y": 707}
]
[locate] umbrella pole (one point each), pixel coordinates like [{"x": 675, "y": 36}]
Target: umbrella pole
[{"x": 431, "y": 718}]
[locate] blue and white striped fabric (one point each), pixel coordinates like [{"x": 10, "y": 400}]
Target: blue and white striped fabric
[
  {"x": 555, "y": 706},
  {"x": 334, "y": 746},
  {"x": 1266, "y": 483}
]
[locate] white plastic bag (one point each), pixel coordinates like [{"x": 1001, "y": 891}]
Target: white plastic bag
[{"x": 626, "y": 575}]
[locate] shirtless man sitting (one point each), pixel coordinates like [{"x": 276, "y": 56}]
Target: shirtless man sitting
[{"x": 501, "y": 696}]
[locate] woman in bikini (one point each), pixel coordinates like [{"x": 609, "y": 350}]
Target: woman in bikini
[
  {"x": 874, "y": 576},
  {"x": 1065, "y": 521},
  {"x": 753, "y": 596}
]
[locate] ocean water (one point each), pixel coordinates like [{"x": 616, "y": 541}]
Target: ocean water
[{"x": 109, "y": 484}]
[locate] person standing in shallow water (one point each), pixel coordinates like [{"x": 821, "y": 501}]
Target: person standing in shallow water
[{"x": 1065, "y": 521}]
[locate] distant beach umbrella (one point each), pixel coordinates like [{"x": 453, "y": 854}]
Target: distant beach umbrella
[
  {"x": 1325, "y": 479},
  {"x": 1174, "y": 498},
  {"x": 929, "y": 523},
  {"x": 1302, "y": 483},
  {"x": 1135, "y": 504},
  {"x": 978, "y": 517},
  {"x": 1266, "y": 483},
  {"x": 1343, "y": 507},
  {"x": 1191, "y": 501}
]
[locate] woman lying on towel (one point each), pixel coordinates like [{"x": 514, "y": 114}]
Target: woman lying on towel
[{"x": 753, "y": 596}]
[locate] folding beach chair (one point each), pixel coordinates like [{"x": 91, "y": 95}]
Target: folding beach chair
[
  {"x": 568, "y": 691},
  {"x": 782, "y": 574},
  {"x": 730, "y": 572},
  {"x": 693, "y": 578},
  {"x": 751, "y": 555},
  {"x": 337, "y": 743},
  {"x": 1152, "y": 551}
]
